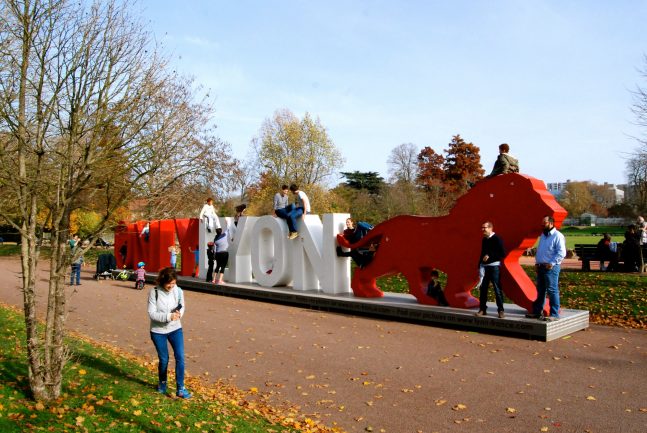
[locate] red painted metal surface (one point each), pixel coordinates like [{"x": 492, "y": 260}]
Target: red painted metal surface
[
  {"x": 411, "y": 245},
  {"x": 188, "y": 236}
]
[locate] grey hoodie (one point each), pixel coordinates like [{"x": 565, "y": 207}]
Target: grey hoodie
[{"x": 160, "y": 306}]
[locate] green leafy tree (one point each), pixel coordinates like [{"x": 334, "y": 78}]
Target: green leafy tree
[
  {"x": 371, "y": 181},
  {"x": 296, "y": 150},
  {"x": 292, "y": 150}
]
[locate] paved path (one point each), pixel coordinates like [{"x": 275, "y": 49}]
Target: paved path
[{"x": 359, "y": 372}]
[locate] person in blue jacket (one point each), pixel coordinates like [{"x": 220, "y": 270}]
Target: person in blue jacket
[{"x": 353, "y": 233}]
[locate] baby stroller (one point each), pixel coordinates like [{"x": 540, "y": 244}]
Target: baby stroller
[{"x": 106, "y": 263}]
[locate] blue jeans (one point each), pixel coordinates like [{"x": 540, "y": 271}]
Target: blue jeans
[
  {"x": 293, "y": 217},
  {"x": 176, "y": 338},
  {"x": 547, "y": 283},
  {"x": 283, "y": 212},
  {"x": 491, "y": 275},
  {"x": 76, "y": 274}
]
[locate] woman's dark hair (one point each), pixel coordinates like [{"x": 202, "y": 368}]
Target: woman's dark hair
[
  {"x": 504, "y": 147},
  {"x": 165, "y": 276},
  {"x": 241, "y": 207},
  {"x": 294, "y": 187}
]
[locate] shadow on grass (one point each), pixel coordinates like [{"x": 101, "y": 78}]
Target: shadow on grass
[
  {"x": 13, "y": 374},
  {"x": 110, "y": 368}
]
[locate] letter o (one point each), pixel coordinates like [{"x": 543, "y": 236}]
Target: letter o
[{"x": 270, "y": 252}]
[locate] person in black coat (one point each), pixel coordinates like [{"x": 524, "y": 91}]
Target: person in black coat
[
  {"x": 211, "y": 258},
  {"x": 435, "y": 290},
  {"x": 492, "y": 252}
]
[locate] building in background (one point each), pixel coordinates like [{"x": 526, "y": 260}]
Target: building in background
[
  {"x": 606, "y": 195},
  {"x": 557, "y": 188}
]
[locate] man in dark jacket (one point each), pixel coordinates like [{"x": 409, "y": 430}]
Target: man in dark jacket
[{"x": 492, "y": 253}]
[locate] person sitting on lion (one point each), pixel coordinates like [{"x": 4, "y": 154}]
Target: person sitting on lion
[{"x": 505, "y": 163}]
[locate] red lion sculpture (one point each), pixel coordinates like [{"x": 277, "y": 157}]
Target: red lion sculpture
[{"x": 412, "y": 245}]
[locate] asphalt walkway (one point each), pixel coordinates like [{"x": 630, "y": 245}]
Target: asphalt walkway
[{"x": 364, "y": 374}]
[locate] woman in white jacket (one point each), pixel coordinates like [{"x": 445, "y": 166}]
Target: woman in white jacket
[{"x": 165, "y": 308}]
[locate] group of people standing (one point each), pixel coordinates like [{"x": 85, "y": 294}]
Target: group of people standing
[{"x": 550, "y": 253}]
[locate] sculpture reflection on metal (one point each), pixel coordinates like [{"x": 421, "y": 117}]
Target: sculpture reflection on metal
[{"x": 411, "y": 245}]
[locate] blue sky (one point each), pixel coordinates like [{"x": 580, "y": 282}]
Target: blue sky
[{"x": 551, "y": 78}]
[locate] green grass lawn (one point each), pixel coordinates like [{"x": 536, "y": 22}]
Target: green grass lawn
[
  {"x": 108, "y": 391},
  {"x": 614, "y": 231},
  {"x": 572, "y": 240}
]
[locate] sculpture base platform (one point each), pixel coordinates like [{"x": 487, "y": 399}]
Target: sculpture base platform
[{"x": 404, "y": 307}]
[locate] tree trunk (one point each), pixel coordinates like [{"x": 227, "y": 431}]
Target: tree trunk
[{"x": 56, "y": 354}]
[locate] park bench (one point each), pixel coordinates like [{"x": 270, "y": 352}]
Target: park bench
[{"x": 588, "y": 252}]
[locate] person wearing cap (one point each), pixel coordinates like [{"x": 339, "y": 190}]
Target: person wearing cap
[
  {"x": 140, "y": 275},
  {"x": 505, "y": 163}
]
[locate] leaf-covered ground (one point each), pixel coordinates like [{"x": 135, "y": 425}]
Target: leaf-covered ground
[{"x": 106, "y": 390}]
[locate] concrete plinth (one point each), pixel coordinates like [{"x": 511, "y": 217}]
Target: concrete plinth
[{"x": 397, "y": 306}]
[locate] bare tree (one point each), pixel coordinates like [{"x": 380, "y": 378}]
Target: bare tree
[
  {"x": 637, "y": 179},
  {"x": 244, "y": 174},
  {"x": 90, "y": 114},
  {"x": 403, "y": 163},
  {"x": 639, "y": 106},
  {"x": 637, "y": 162}
]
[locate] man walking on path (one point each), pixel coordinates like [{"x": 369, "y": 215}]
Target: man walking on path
[{"x": 550, "y": 253}]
